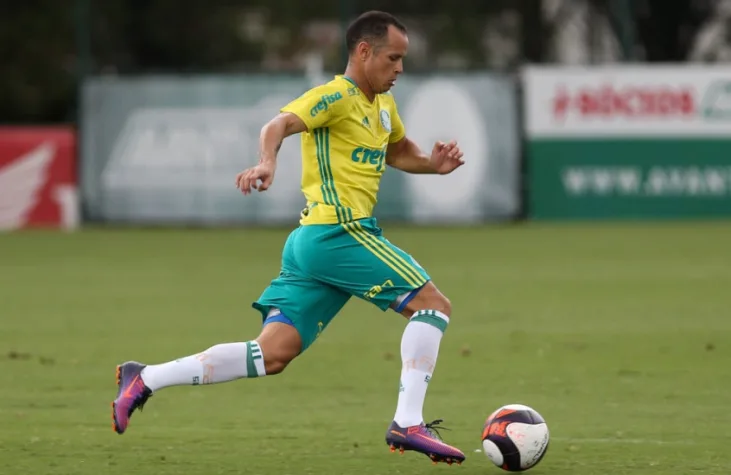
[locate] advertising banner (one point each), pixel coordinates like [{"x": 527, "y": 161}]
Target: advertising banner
[
  {"x": 167, "y": 150},
  {"x": 38, "y": 178},
  {"x": 628, "y": 142}
]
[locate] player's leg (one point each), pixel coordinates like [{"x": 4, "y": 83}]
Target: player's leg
[
  {"x": 428, "y": 311},
  {"x": 368, "y": 266},
  {"x": 295, "y": 309},
  {"x": 268, "y": 354}
]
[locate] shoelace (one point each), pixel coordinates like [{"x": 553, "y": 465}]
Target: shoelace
[
  {"x": 139, "y": 402},
  {"x": 434, "y": 427}
]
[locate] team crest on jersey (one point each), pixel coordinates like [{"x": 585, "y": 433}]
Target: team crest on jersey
[{"x": 386, "y": 120}]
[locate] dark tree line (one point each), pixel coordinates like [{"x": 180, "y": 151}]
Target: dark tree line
[{"x": 48, "y": 46}]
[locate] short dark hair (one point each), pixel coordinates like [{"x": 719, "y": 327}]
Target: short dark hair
[{"x": 370, "y": 26}]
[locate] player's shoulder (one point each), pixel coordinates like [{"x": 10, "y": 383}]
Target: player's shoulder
[{"x": 336, "y": 90}]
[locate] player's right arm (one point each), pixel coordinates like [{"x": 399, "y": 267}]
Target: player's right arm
[
  {"x": 318, "y": 107},
  {"x": 261, "y": 176},
  {"x": 275, "y": 131}
]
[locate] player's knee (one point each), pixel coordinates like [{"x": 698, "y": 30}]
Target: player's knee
[
  {"x": 442, "y": 304},
  {"x": 429, "y": 298},
  {"x": 280, "y": 343},
  {"x": 433, "y": 299},
  {"x": 277, "y": 358},
  {"x": 275, "y": 366}
]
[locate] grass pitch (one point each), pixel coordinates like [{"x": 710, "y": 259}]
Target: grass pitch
[{"x": 619, "y": 335}]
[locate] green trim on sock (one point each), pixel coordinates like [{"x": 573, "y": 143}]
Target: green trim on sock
[
  {"x": 255, "y": 350},
  {"x": 430, "y": 318},
  {"x": 252, "y": 351}
]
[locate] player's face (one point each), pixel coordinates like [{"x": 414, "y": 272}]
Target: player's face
[{"x": 385, "y": 62}]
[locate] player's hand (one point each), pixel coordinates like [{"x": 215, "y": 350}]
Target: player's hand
[
  {"x": 259, "y": 178},
  {"x": 445, "y": 158}
]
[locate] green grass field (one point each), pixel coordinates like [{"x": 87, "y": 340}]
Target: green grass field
[{"x": 620, "y": 335}]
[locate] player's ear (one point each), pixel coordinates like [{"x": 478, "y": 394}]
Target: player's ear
[{"x": 363, "y": 50}]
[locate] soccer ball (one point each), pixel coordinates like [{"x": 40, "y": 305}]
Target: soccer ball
[{"x": 515, "y": 437}]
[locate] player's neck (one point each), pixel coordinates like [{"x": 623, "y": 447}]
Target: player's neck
[{"x": 360, "y": 81}]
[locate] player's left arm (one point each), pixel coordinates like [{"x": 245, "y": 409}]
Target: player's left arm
[{"x": 404, "y": 154}]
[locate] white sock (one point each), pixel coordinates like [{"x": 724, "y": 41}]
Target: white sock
[
  {"x": 419, "y": 351},
  {"x": 219, "y": 363}
]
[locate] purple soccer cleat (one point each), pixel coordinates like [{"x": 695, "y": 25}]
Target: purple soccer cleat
[
  {"x": 423, "y": 438},
  {"x": 132, "y": 394}
]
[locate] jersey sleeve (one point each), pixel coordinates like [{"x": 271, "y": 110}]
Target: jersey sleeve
[
  {"x": 319, "y": 107},
  {"x": 398, "y": 131}
]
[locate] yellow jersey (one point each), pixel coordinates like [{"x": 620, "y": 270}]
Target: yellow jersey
[{"x": 343, "y": 149}]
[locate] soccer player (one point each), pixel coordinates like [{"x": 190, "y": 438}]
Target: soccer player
[{"x": 350, "y": 131}]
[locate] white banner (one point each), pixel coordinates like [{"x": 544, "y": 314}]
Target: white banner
[
  {"x": 614, "y": 100},
  {"x": 171, "y": 157}
]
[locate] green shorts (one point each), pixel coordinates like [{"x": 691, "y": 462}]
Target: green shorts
[{"x": 323, "y": 265}]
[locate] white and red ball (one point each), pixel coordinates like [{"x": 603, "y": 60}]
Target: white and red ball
[{"x": 515, "y": 437}]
